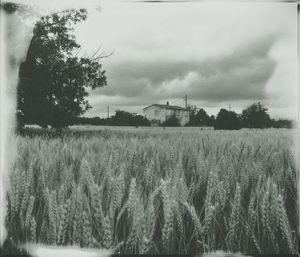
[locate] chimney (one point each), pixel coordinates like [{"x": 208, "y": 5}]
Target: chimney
[{"x": 168, "y": 103}]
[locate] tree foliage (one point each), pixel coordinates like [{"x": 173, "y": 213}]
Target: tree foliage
[
  {"x": 281, "y": 123},
  {"x": 199, "y": 118},
  {"x": 227, "y": 120},
  {"x": 120, "y": 118},
  {"x": 172, "y": 121},
  {"x": 123, "y": 118},
  {"x": 256, "y": 116},
  {"x": 53, "y": 80}
]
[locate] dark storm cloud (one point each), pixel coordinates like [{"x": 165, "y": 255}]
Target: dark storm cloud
[
  {"x": 241, "y": 83},
  {"x": 240, "y": 75}
]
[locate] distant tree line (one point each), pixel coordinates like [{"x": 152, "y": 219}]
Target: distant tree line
[
  {"x": 254, "y": 116},
  {"x": 121, "y": 118}
]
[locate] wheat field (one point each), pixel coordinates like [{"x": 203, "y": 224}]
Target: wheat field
[{"x": 156, "y": 191}]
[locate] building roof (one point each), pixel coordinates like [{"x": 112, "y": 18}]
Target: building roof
[{"x": 165, "y": 106}]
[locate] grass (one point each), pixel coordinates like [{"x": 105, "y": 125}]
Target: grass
[{"x": 156, "y": 191}]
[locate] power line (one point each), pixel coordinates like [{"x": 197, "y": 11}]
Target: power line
[
  {"x": 175, "y": 101},
  {"x": 184, "y": 98}
]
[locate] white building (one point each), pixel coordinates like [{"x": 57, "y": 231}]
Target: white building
[{"x": 158, "y": 113}]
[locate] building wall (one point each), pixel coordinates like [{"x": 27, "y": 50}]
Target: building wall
[
  {"x": 161, "y": 114},
  {"x": 155, "y": 113}
]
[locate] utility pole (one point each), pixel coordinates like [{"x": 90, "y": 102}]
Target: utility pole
[
  {"x": 107, "y": 111},
  {"x": 229, "y": 107},
  {"x": 185, "y": 98}
]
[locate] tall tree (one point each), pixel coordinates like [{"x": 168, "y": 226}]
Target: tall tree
[
  {"x": 227, "y": 120},
  {"x": 53, "y": 80},
  {"x": 199, "y": 117},
  {"x": 256, "y": 116},
  {"x": 202, "y": 118},
  {"x": 193, "y": 118}
]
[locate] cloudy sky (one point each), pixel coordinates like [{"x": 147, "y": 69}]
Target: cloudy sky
[{"x": 217, "y": 53}]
